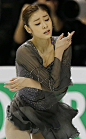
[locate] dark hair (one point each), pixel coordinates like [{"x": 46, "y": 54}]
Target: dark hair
[{"x": 31, "y": 9}]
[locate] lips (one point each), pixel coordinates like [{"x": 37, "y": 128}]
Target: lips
[{"x": 47, "y": 31}]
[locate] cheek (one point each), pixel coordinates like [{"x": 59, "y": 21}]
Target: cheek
[
  {"x": 34, "y": 28},
  {"x": 37, "y": 30},
  {"x": 50, "y": 24}
]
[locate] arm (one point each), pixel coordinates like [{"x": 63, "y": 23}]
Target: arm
[
  {"x": 22, "y": 71},
  {"x": 19, "y": 34},
  {"x": 18, "y": 83},
  {"x": 32, "y": 83},
  {"x": 26, "y": 58},
  {"x": 24, "y": 79},
  {"x": 36, "y": 70}
]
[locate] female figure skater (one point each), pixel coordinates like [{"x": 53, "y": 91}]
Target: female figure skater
[{"x": 43, "y": 70}]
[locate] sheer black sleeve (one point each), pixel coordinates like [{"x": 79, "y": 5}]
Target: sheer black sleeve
[
  {"x": 66, "y": 61},
  {"x": 49, "y": 79},
  {"x": 29, "y": 61}
]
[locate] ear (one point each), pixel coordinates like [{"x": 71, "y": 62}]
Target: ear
[{"x": 27, "y": 29}]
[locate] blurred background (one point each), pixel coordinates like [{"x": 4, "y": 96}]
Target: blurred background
[{"x": 67, "y": 16}]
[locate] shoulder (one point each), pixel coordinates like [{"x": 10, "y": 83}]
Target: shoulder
[
  {"x": 24, "y": 51},
  {"x": 24, "y": 48}
]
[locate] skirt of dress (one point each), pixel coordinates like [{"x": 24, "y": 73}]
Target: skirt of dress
[{"x": 54, "y": 122}]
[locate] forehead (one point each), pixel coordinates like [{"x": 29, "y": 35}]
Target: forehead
[{"x": 38, "y": 14}]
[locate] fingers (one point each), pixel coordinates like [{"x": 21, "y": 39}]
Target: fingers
[
  {"x": 69, "y": 37},
  {"x": 16, "y": 88},
  {"x": 68, "y": 33},
  {"x": 25, "y": 6},
  {"x": 71, "y": 34},
  {"x": 13, "y": 79},
  {"x": 60, "y": 37},
  {"x": 11, "y": 86},
  {"x": 15, "y": 83},
  {"x": 11, "y": 82}
]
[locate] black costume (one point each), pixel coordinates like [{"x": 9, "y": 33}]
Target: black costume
[{"x": 41, "y": 110}]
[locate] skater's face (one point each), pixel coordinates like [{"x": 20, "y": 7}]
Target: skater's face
[{"x": 40, "y": 24}]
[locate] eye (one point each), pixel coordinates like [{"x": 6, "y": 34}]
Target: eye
[
  {"x": 37, "y": 24},
  {"x": 47, "y": 19}
]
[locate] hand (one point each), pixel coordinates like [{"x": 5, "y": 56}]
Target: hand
[
  {"x": 64, "y": 43},
  {"x": 16, "y": 83},
  {"x": 23, "y": 8},
  {"x": 51, "y": 4}
]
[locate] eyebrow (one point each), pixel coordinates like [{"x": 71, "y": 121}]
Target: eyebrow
[{"x": 39, "y": 18}]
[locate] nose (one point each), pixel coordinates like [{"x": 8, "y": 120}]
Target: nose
[{"x": 44, "y": 25}]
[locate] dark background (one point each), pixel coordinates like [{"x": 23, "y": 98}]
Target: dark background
[{"x": 9, "y": 15}]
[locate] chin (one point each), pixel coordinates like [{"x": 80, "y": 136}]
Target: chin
[{"x": 48, "y": 36}]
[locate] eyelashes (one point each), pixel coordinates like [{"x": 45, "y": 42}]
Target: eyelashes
[
  {"x": 37, "y": 24},
  {"x": 47, "y": 19},
  {"x": 40, "y": 23}
]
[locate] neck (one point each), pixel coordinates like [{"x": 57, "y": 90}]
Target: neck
[{"x": 42, "y": 45}]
